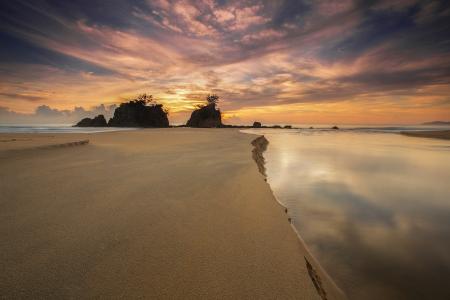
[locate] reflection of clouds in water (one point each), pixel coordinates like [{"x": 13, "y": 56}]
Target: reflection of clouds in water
[
  {"x": 355, "y": 206},
  {"x": 322, "y": 172},
  {"x": 373, "y": 208}
]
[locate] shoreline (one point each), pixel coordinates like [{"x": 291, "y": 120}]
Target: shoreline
[
  {"x": 214, "y": 232},
  {"x": 260, "y": 145}
]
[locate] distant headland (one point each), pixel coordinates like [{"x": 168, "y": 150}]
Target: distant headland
[{"x": 437, "y": 123}]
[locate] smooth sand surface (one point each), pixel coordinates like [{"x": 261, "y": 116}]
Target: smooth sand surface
[
  {"x": 158, "y": 213},
  {"x": 437, "y": 134}
]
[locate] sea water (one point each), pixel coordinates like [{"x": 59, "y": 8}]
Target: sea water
[{"x": 372, "y": 205}]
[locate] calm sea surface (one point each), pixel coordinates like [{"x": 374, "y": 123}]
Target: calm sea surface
[{"x": 372, "y": 205}]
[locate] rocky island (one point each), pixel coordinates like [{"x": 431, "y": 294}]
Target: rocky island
[
  {"x": 142, "y": 111},
  {"x": 98, "y": 121},
  {"x": 206, "y": 116}
]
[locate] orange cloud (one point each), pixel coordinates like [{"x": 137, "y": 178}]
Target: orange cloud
[{"x": 323, "y": 63}]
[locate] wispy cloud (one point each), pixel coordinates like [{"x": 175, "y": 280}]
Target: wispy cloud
[
  {"x": 47, "y": 115},
  {"x": 288, "y": 56}
]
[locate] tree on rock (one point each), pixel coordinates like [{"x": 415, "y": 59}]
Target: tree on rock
[
  {"x": 142, "y": 111},
  {"x": 206, "y": 116},
  {"x": 212, "y": 99}
]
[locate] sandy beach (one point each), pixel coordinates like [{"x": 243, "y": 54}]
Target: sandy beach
[{"x": 159, "y": 213}]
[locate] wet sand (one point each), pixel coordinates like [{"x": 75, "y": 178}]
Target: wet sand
[
  {"x": 436, "y": 134},
  {"x": 159, "y": 213}
]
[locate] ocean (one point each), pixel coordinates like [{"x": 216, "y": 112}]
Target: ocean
[
  {"x": 372, "y": 205},
  {"x": 68, "y": 128}
]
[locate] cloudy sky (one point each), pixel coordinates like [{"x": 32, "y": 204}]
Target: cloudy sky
[{"x": 291, "y": 61}]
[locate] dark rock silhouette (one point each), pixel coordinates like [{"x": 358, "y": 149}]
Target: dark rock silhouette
[
  {"x": 259, "y": 146},
  {"x": 317, "y": 281},
  {"x": 335, "y": 127},
  {"x": 257, "y": 125},
  {"x": 206, "y": 116},
  {"x": 141, "y": 112},
  {"x": 98, "y": 121},
  {"x": 288, "y": 127},
  {"x": 437, "y": 123}
]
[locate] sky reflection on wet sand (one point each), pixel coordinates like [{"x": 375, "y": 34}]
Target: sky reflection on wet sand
[{"x": 373, "y": 207}]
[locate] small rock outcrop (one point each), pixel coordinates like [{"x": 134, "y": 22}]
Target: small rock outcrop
[
  {"x": 257, "y": 125},
  {"x": 206, "y": 117},
  {"x": 137, "y": 113},
  {"x": 259, "y": 146},
  {"x": 98, "y": 121},
  {"x": 335, "y": 128}
]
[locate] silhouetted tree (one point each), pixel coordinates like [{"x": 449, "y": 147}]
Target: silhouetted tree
[
  {"x": 143, "y": 100},
  {"x": 212, "y": 99}
]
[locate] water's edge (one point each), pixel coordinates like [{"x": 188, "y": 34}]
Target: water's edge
[{"x": 260, "y": 145}]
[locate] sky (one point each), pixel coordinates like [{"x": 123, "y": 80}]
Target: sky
[{"x": 278, "y": 62}]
